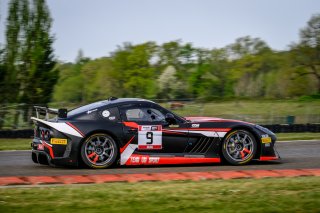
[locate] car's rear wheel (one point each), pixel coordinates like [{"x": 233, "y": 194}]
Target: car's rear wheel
[
  {"x": 99, "y": 151},
  {"x": 239, "y": 147}
]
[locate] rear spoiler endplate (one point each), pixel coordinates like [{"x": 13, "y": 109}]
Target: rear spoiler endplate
[{"x": 45, "y": 111}]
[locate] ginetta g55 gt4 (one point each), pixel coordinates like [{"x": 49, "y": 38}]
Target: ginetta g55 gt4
[{"x": 130, "y": 131}]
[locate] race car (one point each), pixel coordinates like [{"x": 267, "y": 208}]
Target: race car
[{"x": 132, "y": 131}]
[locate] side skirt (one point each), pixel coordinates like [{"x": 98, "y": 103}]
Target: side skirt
[{"x": 136, "y": 159}]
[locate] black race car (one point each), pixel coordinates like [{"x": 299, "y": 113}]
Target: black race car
[{"x": 130, "y": 131}]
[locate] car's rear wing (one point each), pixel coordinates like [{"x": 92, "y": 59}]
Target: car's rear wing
[{"x": 45, "y": 111}]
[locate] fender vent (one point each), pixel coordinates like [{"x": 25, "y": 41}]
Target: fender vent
[{"x": 202, "y": 145}]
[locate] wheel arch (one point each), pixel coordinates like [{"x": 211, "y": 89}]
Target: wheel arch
[{"x": 116, "y": 139}]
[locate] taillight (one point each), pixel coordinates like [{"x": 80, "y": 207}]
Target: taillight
[
  {"x": 42, "y": 134},
  {"x": 47, "y": 135}
]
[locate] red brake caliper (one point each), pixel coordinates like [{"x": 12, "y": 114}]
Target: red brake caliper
[
  {"x": 91, "y": 155},
  {"x": 246, "y": 150},
  {"x": 242, "y": 154},
  {"x": 95, "y": 159}
]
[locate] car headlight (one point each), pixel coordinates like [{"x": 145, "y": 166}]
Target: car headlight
[{"x": 265, "y": 130}]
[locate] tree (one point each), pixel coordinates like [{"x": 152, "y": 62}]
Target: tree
[
  {"x": 170, "y": 53},
  {"x": 71, "y": 84},
  {"x": 30, "y": 73},
  {"x": 38, "y": 62},
  {"x": 247, "y": 46},
  {"x": 220, "y": 66},
  {"x": 29, "y": 59},
  {"x": 10, "y": 84},
  {"x": 306, "y": 54},
  {"x": 169, "y": 86},
  {"x": 98, "y": 84},
  {"x": 2, "y": 85},
  {"x": 133, "y": 70},
  {"x": 210, "y": 77}
]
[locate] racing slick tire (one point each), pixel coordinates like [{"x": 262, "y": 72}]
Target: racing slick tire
[
  {"x": 239, "y": 147},
  {"x": 99, "y": 151}
]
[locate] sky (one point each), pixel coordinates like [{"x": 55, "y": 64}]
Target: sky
[{"x": 99, "y": 26}]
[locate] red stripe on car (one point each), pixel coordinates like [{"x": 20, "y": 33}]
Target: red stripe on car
[
  {"x": 48, "y": 147},
  {"x": 136, "y": 159},
  {"x": 206, "y": 129},
  {"x": 75, "y": 128},
  {"x": 266, "y": 158},
  {"x": 131, "y": 124},
  {"x": 127, "y": 144}
]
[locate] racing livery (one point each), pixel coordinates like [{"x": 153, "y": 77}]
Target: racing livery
[{"x": 131, "y": 131}]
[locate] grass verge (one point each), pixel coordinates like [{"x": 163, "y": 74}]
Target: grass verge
[
  {"x": 298, "y": 136},
  {"x": 15, "y": 143},
  {"x": 242, "y": 195},
  {"x": 256, "y": 111},
  {"x": 24, "y": 144}
]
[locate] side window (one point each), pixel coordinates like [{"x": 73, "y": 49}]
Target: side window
[
  {"x": 156, "y": 115},
  {"x": 111, "y": 114},
  {"x": 144, "y": 114},
  {"x": 135, "y": 115}
]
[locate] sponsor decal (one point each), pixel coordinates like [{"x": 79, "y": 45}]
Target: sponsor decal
[
  {"x": 59, "y": 141},
  {"x": 173, "y": 126},
  {"x": 150, "y": 137},
  {"x": 111, "y": 118},
  {"x": 138, "y": 160},
  {"x": 149, "y": 160},
  {"x": 195, "y": 125},
  {"x": 105, "y": 113},
  {"x": 265, "y": 139},
  {"x": 90, "y": 111}
]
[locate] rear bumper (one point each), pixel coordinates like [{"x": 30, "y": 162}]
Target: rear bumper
[
  {"x": 41, "y": 157},
  {"x": 43, "y": 153}
]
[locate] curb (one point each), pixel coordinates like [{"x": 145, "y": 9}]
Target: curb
[{"x": 196, "y": 176}]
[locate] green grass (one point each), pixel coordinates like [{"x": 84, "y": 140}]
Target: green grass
[
  {"x": 280, "y": 107},
  {"x": 242, "y": 195},
  {"x": 258, "y": 111},
  {"x": 24, "y": 144},
  {"x": 15, "y": 143},
  {"x": 298, "y": 136}
]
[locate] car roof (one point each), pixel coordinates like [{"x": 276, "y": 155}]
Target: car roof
[
  {"x": 109, "y": 102},
  {"x": 122, "y": 100}
]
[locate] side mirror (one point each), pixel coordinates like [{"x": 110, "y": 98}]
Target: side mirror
[{"x": 170, "y": 118}]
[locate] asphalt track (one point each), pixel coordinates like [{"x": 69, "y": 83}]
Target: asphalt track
[{"x": 295, "y": 155}]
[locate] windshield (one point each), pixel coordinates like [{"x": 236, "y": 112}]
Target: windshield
[{"x": 182, "y": 119}]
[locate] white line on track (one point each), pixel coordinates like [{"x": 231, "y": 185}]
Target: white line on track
[
  {"x": 315, "y": 140},
  {"x": 16, "y": 150}
]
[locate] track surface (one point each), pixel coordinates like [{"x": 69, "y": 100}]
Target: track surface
[{"x": 295, "y": 155}]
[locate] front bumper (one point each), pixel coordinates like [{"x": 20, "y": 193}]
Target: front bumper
[{"x": 269, "y": 151}]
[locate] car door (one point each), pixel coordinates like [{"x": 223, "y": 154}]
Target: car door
[{"x": 146, "y": 126}]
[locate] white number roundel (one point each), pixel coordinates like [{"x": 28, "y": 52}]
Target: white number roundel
[{"x": 105, "y": 113}]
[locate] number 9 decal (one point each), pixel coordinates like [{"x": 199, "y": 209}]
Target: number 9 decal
[{"x": 150, "y": 137}]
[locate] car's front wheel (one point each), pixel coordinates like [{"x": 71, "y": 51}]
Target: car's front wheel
[
  {"x": 239, "y": 147},
  {"x": 99, "y": 151}
]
